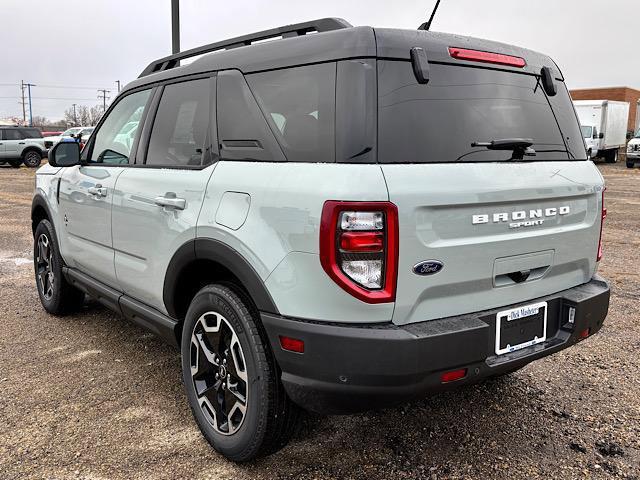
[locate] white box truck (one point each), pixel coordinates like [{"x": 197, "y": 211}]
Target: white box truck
[{"x": 604, "y": 127}]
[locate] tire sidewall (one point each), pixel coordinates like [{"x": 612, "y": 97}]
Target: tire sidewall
[{"x": 221, "y": 300}]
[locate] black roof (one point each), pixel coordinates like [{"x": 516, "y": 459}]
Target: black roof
[{"x": 335, "y": 40}]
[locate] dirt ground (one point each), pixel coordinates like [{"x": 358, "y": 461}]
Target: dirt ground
[{"x": 92, "y": 396}]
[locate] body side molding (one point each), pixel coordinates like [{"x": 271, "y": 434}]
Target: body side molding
[{"x": 150, "y": 319}]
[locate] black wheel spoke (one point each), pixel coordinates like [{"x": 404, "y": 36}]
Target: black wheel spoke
[{"x": 44, "y": 267}]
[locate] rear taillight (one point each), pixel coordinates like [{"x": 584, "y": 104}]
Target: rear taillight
[
  {"x": 603, "y": 217},
  {"x": 359, "y": 248},
  {"x": 486, "y": 57}
]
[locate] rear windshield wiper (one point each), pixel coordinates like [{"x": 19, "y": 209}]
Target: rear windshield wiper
[{"x": 519, "y": 146}]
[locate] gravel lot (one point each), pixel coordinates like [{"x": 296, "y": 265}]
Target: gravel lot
[{"x": 92, "y": 396}]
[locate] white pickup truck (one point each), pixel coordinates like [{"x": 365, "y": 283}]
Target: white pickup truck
[{"x": 604, "y": 127}]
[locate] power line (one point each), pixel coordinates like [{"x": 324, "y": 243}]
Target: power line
[
  {"x": 70, "y": 87},
  {"x": 53, "y": 98}
]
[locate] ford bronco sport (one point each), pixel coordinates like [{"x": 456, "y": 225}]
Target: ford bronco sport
[
  {"x": 337, "y": 221},
  {"x": 20, "y": 145}
]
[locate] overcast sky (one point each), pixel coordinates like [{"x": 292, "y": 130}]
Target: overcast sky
[{"x": 89, "y": 44}]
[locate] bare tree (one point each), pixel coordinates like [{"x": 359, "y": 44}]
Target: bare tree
[
  {"x": 15, "y": 120},
  {"x": 84, "y": 116},
  {"x": 95, "y": 114},
  {"x": 39, "y": 121}
]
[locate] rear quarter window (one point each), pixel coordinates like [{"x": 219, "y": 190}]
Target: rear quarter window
[
  {"x": 438, "y": 122},
  {"x": 30, "y": 133},
  {"x": 299, "y": 104}
]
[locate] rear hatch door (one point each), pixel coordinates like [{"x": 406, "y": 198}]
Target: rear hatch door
[{"x": 505, "y": 227}]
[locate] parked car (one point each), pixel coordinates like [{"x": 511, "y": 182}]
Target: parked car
[
  {"x": 633, "y": 150},
  {"x": 20, "y": 145},
  {"x": 322, "y": 223},
  {"x": 73, "y": 132},
  {"x": 606, "y": 122}
]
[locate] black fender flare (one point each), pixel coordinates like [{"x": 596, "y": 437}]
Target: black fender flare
[
  {"x": 32, "y": 147},
  {"x": 216, "y": 251},
  {"x": 40, "y": 202}
]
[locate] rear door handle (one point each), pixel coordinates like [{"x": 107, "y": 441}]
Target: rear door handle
[
  {"x": 170, "y": 200},
  {"x": 97, "y": 191}
]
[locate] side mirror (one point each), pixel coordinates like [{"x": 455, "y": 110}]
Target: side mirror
[
  {"x": 65, "y": 154},
  {"x": 601, "y": 135}
]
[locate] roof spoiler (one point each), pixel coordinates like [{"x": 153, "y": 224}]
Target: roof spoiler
[{"x": 298, "y": 29}]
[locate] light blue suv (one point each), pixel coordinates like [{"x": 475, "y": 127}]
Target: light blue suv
[{"x": 338, "y": 221}]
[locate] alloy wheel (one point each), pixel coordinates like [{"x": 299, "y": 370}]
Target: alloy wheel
[
  {"x": 219, "y": 373},
  {"x": 32, "y": 159},
  {"x": 44, "y": 268}
]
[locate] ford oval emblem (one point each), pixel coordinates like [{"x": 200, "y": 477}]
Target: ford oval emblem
[{"x": 428, "y": 267}]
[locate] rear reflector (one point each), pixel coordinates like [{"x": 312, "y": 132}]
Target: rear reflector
[
  {"x": 603, "y": 218},
  {"x": 291, "y": 344},
  {"x": 486, "y": 57},
  {"x": 453, "y": 375},
  {"x": 585, "y": 333}
]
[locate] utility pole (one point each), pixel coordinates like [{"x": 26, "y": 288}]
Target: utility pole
[
  {"x": 75, "y": 118},
  {"x": 24, "y": 104},
  {"x": 103, "y": 93},
  {"x": 118, "y": 82},
  {"x": 175, "y": 26},
  {"x": 29, "y": 85}
]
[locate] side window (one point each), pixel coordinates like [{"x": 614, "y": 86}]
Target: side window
[
  {"x": 111, "y": 144},
  {"x": 11, "y": 134},
  {"x": 299, "y": 103},
  {"x": 243, "y": 129},
  {"x": 179, "y": 135}
]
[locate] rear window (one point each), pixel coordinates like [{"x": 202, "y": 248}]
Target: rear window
[{"x": 439, "y": 121}]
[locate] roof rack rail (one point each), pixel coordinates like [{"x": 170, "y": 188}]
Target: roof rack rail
[{"x": 298, "y": 29}]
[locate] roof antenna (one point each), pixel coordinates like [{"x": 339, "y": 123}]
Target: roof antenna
[{"x": 427, "y": 25}]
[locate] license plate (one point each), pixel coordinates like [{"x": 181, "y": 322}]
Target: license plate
[{"x": 521, "y": 327}]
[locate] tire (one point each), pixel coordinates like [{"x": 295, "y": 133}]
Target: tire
[
  {"x": 612, "y": 156},
  {"x": 630, "y": 164},
  {"x": 57, "y": 296},
  {"x": 15, "y": 163},
  {"x": 32, "y": 158},
  {"x": 223, "y": 325}
]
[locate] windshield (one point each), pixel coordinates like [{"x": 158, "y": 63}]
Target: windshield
[
  {"x": 460, "y": 106},
  {"x": 587, "y": 132},
  {"x": 70, "y": 131}
]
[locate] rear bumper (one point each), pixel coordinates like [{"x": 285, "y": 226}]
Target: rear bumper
[{"x": 348, "y": 369}]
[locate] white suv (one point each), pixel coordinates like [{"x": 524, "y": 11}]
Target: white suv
[
  {"x": 20, "y": 145},
  {"x": 339, "y": 221}
]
